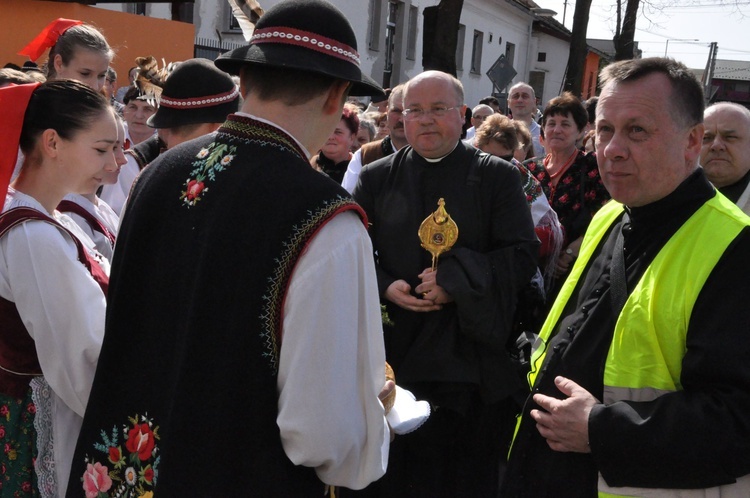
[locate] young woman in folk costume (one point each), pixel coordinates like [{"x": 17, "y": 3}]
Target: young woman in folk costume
[
  {"x": 95, "y": 217},
  {"x": 52, "y": 288},
  {"x": 80, "y": 52}
]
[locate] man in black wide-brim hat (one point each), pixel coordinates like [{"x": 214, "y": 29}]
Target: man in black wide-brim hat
[{"x": 243, "y": 353}]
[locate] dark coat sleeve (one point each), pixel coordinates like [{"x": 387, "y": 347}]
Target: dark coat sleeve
[
  {"x": 485, "y": 283},
  {"x": 698, "y": 437},
  {"x": 364, "y": 193}
]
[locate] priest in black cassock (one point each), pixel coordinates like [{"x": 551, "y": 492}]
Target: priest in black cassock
[{"x": 449, "y": 327}]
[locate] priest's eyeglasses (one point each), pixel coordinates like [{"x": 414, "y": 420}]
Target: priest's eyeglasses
[{"x": 437, "y": 111}]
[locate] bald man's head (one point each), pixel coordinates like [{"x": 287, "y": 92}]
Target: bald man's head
[{"x": 725, "y": 155}]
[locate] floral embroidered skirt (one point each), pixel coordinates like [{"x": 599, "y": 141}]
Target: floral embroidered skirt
[{"x": 18, "y": 443}]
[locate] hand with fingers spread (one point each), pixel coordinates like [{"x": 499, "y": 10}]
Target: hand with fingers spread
[
  {"x": 399, "y": 293},
  {"x": 430, "y": 290},
  {"x": 565, "y": 423}
]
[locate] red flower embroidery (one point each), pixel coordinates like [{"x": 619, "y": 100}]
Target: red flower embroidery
[
  {"x": 114, "y": 454},
  {"x": 194, "y": 189},
  {"x": 31, "y": 408},
  {"x": 563, "y": 199},
  {"x": 4, "y": 410},
  {"x": 141, "y": 441},
  {"x": 148, "y": 474},
  {"x": 2, "y": 431}
]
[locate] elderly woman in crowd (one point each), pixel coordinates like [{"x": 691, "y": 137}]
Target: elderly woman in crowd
[
  {"x": 498, "y": 135},
  {"x": 366, "y": 133},
  {"x": 334, "y": 156},
  {"x": 569, "y": 177}
]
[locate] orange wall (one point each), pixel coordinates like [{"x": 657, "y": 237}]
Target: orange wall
[
  {"x": 129, "y": 35},
  {"x": 590, "y": 76}
]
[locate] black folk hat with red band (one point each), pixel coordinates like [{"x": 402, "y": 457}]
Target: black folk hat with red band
[
  {"x": 307, "y": 35},
  {"x": 196, "y": 91}
]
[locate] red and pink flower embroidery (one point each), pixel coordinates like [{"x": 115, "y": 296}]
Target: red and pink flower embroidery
[
  {"x": 96, "y": 480},
  {"x": 132, "y": 472},
  {"x": 210, "y": 160}
]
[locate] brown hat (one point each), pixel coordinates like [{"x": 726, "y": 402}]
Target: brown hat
[{"x": 308, "y": 35}]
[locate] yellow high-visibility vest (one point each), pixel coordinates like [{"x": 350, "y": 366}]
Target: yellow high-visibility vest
[{"x": 645, "y": 357}]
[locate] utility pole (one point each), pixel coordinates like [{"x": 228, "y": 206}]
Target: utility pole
[
  {"x": 390, "y": 34},
  {"x": 708, "y": 74}
]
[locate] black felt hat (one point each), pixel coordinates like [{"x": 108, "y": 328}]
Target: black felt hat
[
  {"x": 196, "y": 91},
  {"x": 308, "y": 35}
]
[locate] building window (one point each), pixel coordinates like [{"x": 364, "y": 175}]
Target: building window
[
  {"x": 182, "y": 11},
  {"x": 536, "y": 81},
  {"x": 460, "y": 47},
  {"x": 232, "y": 24},
  {"x": 411, "y": 40},
  {"x": 476, "y": 52},
  {"x": 510, "y": 53},
  {"x": 137, "y": 8},
  {"x": 541, "y": 57},
  {"x": 376, "y": 11}
]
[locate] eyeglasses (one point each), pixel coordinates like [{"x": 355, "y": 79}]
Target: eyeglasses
[{"x": 414, "y": 114}]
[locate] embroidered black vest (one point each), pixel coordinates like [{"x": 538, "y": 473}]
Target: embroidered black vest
[
  {"x": 147, "y": 151},
  {"x": 185, "y": 391}
]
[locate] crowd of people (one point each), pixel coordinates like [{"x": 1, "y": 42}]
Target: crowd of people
[{"x": 267, "y": 275}]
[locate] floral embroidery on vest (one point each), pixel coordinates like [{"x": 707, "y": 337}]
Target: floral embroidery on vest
[
  {"x": 133, "y": 460},
  {"x": 211, "y": 160}
]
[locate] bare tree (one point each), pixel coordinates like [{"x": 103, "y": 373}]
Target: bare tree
[
  {"x": 624, "y": 38},
  {"x": 578, "y": 47},
  {"x": 440, "y": 37}
]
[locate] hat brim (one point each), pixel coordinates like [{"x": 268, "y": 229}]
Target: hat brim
[{"x": 314, "y": 62}]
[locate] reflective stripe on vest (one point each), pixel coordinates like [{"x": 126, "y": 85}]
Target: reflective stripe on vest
[{"x": 739, "y": 489}]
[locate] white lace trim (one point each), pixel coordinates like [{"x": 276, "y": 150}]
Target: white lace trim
[{"x": 41, "y": 395}]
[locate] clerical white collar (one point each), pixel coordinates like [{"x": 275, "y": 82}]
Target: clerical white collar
[
  {"x": 437, "y": 160},
  {"x": 248, "y": 115}
]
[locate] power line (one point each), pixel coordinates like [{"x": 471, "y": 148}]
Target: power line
[{"x": 715, "y": 4}]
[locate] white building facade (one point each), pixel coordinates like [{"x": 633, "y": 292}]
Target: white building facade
[{"x": 488, "y": 29}]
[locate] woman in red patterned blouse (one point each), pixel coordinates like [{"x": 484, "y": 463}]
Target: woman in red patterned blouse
[{"x": 569, "y": 177}]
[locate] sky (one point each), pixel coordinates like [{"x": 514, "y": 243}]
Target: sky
[{"x": 700, "y": 21}]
